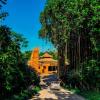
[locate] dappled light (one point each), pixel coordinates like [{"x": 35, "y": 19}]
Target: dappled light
[{"x": 49, "y": 50}]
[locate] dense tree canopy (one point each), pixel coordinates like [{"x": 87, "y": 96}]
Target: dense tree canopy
[
  {"x": 73, "y": 27},
  {"x": 15, "y": 76}
]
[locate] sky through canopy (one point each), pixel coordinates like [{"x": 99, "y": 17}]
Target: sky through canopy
[{"x": 24, "y": 18}]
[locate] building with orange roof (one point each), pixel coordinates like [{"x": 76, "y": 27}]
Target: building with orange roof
[{"x": 44, "y": 64}]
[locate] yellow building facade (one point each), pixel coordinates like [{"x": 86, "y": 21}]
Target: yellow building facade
[{"x": 44, "y": 64}]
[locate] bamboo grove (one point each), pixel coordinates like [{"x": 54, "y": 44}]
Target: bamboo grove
[{"x": 73, "y": 27}]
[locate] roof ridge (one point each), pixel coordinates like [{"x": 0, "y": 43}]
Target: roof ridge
[{"x": 46, "y": 55}]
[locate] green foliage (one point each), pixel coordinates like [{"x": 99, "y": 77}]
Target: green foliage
[
  {"x": 54, "y": 54},
  {"x": 90, "y": 70},
  {"x": 26, "y": 55},
  {"x": 15, "y": 75},
  {"x": 26, "y": 94},
  {"x": 77, "y": 23},
  {"x": 90, "y": 95},
  {"x": 41, "y": 53},
  {"x": 86, "y": 78},
  {"x": 36, "y": 89},
  {"x": 54, "y": 23}
]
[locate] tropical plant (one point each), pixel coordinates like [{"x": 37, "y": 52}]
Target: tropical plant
[{"x": 15, "y": 75}]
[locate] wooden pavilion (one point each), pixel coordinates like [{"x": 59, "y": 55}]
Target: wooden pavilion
[{"x": 44, "y": 64}]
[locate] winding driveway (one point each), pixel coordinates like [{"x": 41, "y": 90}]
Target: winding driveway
[{"x": 47, "y": 93}]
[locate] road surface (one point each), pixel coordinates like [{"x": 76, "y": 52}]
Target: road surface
[{"x": 47, "y": 93}]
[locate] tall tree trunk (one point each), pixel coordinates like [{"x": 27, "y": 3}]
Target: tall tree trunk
[
  {"x": 61, "y": 61},
  {"x": 79, "y": 57}
]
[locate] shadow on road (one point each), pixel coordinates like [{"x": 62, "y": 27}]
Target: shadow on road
[
  {"x": 50, "y": 78},
  {"x": 48, "y": 94}
]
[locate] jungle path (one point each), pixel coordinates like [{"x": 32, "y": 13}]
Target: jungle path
[{"x": 47, "y": 93}]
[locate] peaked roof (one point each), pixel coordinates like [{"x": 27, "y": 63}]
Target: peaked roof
[
  {"x": 47, "y": 60},
  {"x": 46, "y": 55}
]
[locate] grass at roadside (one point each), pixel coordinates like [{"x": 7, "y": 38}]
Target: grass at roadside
[
  {"x": 26, "y": 94},
  {"x": 88, "y": 95}
]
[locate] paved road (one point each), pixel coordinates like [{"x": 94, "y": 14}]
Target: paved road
[{"x": 49, "y": 94}]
